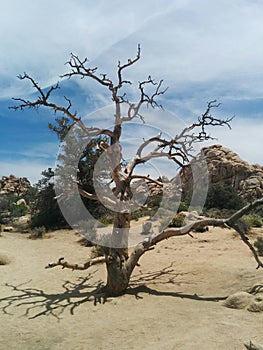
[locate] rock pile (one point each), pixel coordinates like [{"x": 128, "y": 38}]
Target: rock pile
[
  {"x": 227, "y": 167},
  {"x": 14, "y": 185}
]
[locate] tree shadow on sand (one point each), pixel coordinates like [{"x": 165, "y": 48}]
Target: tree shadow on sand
[
  {"x": 37, "y": 302},
  {"x": 166, "y": 276}
]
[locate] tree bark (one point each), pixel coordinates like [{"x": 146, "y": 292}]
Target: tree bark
[
  {"x": 117, "y": 273},
  {"x": 118, "y": 277}
]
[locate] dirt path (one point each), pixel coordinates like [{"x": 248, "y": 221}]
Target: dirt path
[{"x": 175, "y": 299}]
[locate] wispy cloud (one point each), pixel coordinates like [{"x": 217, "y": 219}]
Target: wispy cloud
[
  {"x": 20, "y": 168},
  {"x": 203, "y": 49}
]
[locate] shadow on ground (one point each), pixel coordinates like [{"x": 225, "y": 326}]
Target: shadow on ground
[
  {"x": 37, "y": 302},
  {"x": 166, "y": 276}
]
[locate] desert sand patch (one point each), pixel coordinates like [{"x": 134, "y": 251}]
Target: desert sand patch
[{"x": 175, "y": 299}]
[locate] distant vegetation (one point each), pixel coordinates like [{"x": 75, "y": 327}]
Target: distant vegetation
[{"x": 222, "y": 196}]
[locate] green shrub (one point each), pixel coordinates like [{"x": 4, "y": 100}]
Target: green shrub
[
  {"x": 18, "y": 210},
  {"x": 259, "y": 245},
  {"x": 45, "y": 210},
  {"x": 183, "y": 207},
  {"x": 177, "y": 220},
  {"x": 5, "y": 203},
  {"x": 8, "y": 205},
  {"x": 253, "y": 220},
  {"x": 106, "y": 220},
  {"x": 222, "y": 196},
  {"x": 219, "y": 213}
]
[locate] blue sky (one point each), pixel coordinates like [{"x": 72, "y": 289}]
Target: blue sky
[{"x": 204, "y": 50}]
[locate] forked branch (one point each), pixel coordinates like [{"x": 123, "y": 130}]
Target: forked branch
[
  {"x": 180, "y": 148},
  {"x": 232, "y": 222},
  {"x": 150, "y": 242},
  {"x": 64, "y": 264},
  {"x": 43, "y": 100}
]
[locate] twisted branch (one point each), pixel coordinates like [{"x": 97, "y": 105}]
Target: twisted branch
[
  {"x": 151, "y": 241},
  {"x": 85, "y": 266}
]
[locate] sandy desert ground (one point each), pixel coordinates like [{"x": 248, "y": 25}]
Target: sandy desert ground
[{"x": 175, "y": 299}]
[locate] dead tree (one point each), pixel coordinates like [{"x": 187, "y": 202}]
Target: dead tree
[{"x": 119, "y": 262}]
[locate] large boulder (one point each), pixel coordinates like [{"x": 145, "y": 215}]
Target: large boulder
[{"x": 225, "y": 166}]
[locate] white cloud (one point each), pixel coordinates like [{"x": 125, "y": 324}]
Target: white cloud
[
  {"x": 181, "y": 41},
  {"x": 28, "y": 161},
  {"x": 214, "y": 43},
  {"x": 245, "y": 138},
  {"x": 23, "y": 168},
  {"x": 38, "y": 36}
]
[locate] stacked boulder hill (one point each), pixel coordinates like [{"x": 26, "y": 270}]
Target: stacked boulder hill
[
  {"x": 14, "y": 185},
  {"x": 226, "y": 167}
]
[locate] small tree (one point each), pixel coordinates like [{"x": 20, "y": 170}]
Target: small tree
[
  {"x": 44, "y": 207},
  {"x": 119, "y": 262},
  {"x": 222, "y": 196}
]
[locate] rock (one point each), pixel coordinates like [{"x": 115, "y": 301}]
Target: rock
[
  {"x": 225, "y": 166},
  {"x": 14, "y": 185},
  {"x": 256, "y": 305},
  {"x": 21, "y": 223},
  {"x": 8, "y": 229},
  {"x": 4, "y": 259},
  {"x": 239, "y": 300},
  {"x": 21, "y": 202},
  {"x": 251, "y": 300}
]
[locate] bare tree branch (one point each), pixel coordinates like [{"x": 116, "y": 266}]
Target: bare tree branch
[
  {"x": 151, "y": 241},
  {"x": 147, "y": 179},
  {"x": 79, "y": 68},
  {"x": 150, "y": 100},
  {"x": 85, "y": 266},
  {"x": 107, "y": 200},
  {"x": 42, "y": 100},
  {"x": 128, "y": 64},
  {"x": 180, "y": 148}
]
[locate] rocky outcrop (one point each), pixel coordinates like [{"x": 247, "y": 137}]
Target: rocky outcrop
[
  {"x": 252, "y": 300},
  {"x": 14, "y": 185},
  {"x": 225, "y": 166}
]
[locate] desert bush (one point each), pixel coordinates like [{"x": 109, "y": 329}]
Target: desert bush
[
  {"x": 135, "y": 215},
  {"x": 259, "y": 245},
  {"x": 218, "y": 213},
  {"x": 253, "y": 220},
  {"x": 5, "y": 203},
  {"x": 106, "y": 220},
  {"x": 45, "y": 211},
  {"x": 222, "y": 196},
  {"x": 183, "y": 207},
  {"x": 37, "y": 232},
  {"x": 177, "y": 220},
  {"x": 8, "y": 205},
  {"x": 18, "y": 210}
]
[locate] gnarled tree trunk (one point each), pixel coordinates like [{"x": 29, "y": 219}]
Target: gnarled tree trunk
[{"x": 117, "y": 273}]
